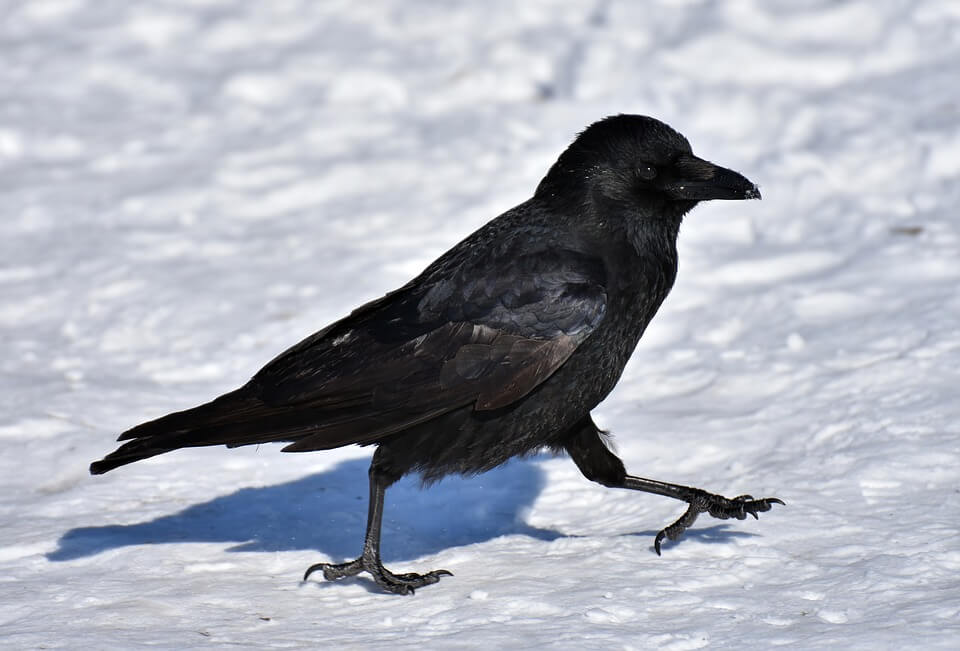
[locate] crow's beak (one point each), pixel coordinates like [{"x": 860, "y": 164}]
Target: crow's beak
[{"x": 698, "y": 180}]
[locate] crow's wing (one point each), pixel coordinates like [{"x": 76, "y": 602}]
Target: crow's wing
[{"x": 437, "y": 345}]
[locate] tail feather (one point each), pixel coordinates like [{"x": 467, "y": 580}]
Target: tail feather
[
  {"x": 122, "y": 456},
  {"x": 241, "y": 417},
  {"x": 233, "y": 419}
]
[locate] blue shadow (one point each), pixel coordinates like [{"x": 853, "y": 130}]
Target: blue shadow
[
  {"x": 712, "y": 535},
  {"x": 327, "y": 512}
]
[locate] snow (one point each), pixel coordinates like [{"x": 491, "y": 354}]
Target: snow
[{"x": 190, "y": 187}]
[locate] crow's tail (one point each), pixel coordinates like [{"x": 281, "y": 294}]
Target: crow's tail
[{"x": 234, "y": 419}]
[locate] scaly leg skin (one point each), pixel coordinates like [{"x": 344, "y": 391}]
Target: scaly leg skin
[
  {"x": 716, "y": 505},
  {"x": 370, "y": 560}
]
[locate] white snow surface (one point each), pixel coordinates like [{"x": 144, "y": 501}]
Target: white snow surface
[{"x": 191, "y": 187}]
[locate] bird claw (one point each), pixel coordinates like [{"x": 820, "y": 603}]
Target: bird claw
[
  {"x": 395, "y": 583},
  {"x": 720, "y": 507}
]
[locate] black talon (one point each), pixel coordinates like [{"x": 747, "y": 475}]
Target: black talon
[
  {"x": 718, "y": 506},
  {"x": 333, "y": 571},
  {"x": 396, "y": 583}
]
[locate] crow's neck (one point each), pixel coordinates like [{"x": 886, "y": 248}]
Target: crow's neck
[
  {"x": 641, "y": 252},
  {"x": 649, "y": 230}
]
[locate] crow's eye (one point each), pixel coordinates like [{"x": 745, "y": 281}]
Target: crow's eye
[{"x": 647, "y": 172}]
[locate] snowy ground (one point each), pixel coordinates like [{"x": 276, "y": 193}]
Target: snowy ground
[{"x": 190, "y": 187}]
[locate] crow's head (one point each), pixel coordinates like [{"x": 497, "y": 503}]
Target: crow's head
[{"x": 640, "y": 163}]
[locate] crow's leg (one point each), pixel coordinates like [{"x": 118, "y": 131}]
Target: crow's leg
[
  {"x": 599, "y": 464},
  {"x": 369, "y": 561}
]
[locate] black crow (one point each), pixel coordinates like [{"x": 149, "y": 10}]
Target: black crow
[{"x": 500, "y": 348}]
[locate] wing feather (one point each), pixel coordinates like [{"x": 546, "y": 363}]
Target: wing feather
[{"x": 401, "y": 361}]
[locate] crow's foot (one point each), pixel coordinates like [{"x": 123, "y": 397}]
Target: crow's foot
[
  {"x": 396, "y": 583},
  {"x": 719, "y": 507}
]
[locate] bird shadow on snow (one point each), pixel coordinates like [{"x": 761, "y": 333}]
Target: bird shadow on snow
[{"x": 327, "y": 512}]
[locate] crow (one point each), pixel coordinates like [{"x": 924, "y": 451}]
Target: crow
[{"x": 499, "y": 348}]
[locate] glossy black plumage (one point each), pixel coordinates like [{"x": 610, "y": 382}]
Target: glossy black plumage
[{"x": 499, "y": 348}]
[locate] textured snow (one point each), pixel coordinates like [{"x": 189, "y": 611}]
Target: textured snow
[{"x": 190, "y": 187}]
